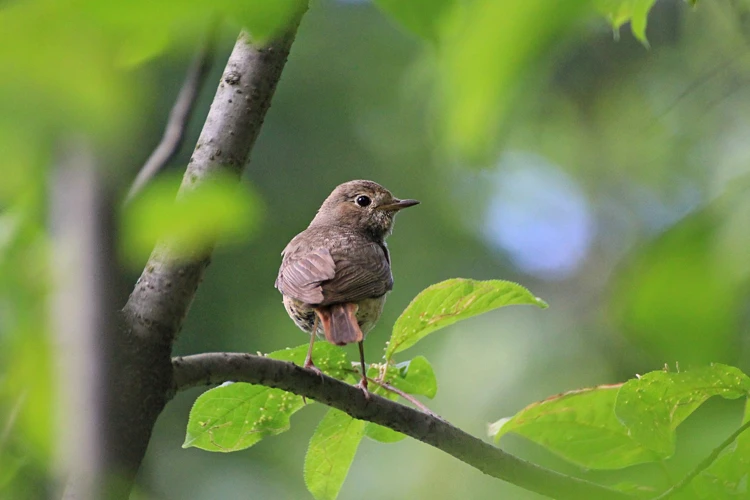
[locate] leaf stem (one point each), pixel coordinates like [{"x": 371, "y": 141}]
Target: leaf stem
[
  {"x": 704, "y": 464},
  {"x": 406, "y": 396}
]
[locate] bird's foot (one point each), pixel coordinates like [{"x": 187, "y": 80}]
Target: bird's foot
[
  {"x": 310, "y": 366},
  {"x": 362, "y": 386}
]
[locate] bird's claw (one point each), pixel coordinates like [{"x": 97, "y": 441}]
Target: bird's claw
[
  {"x": 310, "y": 366},
  {"x": 362, "y": 386}
]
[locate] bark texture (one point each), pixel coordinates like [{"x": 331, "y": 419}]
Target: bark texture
[
  {"x": 216, "y": 368},
  {"x": 141, "y": 373}
]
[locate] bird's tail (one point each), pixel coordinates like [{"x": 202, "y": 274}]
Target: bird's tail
[{"x": 340, "y": 323}]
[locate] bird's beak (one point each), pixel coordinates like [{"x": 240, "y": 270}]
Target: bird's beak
[{"x": 397, "y": 205}]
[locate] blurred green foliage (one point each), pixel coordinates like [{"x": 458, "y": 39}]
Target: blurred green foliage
[
  {"x": 619, "y": 12},
  {"x": 221, "y": 209},
  {"x": 655, "y": 140}
]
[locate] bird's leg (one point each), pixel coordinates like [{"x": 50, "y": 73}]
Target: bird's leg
[
  {"x": 308, "y": 359},
  {"x": 363, "y": 382}
]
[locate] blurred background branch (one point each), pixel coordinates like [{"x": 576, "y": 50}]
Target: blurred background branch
[
  {"x": 182, "y": 110},
  {"x": 82, "y": 223}
]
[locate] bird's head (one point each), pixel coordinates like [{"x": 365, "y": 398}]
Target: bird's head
[{"x": 362, "y": 205}]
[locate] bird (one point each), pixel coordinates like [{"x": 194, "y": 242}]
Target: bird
[{"x": 335, "y": 275}]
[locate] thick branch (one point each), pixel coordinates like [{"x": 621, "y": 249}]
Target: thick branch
[
  {"x": 165, "y": 290},
  {"x": 154, "y": 313},
  {"x": 215, "y": 368}
]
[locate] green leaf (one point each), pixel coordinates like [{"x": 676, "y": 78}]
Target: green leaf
[
  {"x": 729, "y": 475},
  {"x": 653, "y": 405},
  {"x": 235, "y": 416},
  {"x": 619, "y": 12},
  {"x": 450, "y": 301},
  {"x": 413, "y": 377},
  {"x": 382, "y": 434},
  {"x": 12, "y": 465},
  {"x": 329, "y": 358},
  {"x": 680, "y": 286},
  {"x": 238, "y": 415},
  {"x": 222, "y": 208},
  {"x": 378, "y": 432},
  {"x": 416, "y": 377},
  {"x": 422, "y": 17},
  {"x": 579, "y": 426},
  {"x": 331, "y": 452}
]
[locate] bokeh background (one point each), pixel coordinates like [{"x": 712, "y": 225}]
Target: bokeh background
[{"x": 610, "y": 179}]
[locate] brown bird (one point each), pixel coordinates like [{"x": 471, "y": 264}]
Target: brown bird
[{"x": 335, "y": 274}]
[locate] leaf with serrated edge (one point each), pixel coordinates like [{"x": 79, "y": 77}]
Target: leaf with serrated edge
[
  {"x": 331, "y": 453},
  {"x": 450, "y": 301},
  {"x": 235, "y": 416},
  {"x": 579, "y": 426},
  {"x": 653, "y": 405}
]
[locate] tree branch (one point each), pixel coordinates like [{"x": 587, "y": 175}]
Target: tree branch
[
  {"x": 165, "y": 290},
  {"x": 174, "y": 131},
  {"x": 157, "y": 307},
  {"x": 704, "y": 464},
  {"x": 82, "y": 223},
  {"x": 216, "y": 368}
]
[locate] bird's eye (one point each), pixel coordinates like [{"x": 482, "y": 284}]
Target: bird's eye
[{"x": 363, "y": 200}]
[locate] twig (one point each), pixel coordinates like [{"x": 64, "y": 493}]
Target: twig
[
  {"x": 704, "y": 464},
  {"x": 216, "y": 368},
  {"x": 406, "y": 396},
  {"x": 174, "y": 131}
]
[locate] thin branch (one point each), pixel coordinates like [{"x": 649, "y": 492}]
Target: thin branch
[
  {"x": 406, "y": 396},
  {"x": 704, "y": 464},
  {"x": 174, "y": 131},
  {"x": 216, "y": 368}
]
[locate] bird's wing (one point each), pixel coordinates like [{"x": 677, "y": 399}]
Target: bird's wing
[
  {"x": 361, "y": 273},
  {"x": 300, "y": 275}
]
